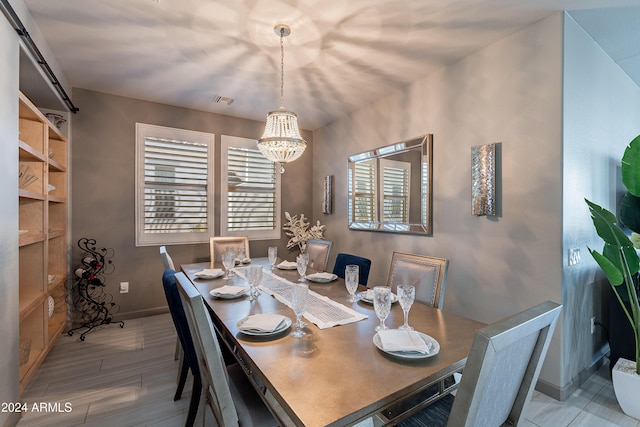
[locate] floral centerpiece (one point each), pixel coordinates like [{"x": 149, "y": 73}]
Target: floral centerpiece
[{"x": 299, "y": 230}]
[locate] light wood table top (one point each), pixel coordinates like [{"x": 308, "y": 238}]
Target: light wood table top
[{"x": 335, "y": 376}]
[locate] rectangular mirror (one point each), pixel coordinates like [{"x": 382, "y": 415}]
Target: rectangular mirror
[{"x": 390, "y": 188}]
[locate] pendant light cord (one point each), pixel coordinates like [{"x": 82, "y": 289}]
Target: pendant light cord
[{"x": 282, "y": 68}]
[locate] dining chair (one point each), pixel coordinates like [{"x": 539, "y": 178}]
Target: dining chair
[
  {"x": 427, "y": 274},
  {"x": 342, "y": 260},
  {"x": 318, "y": 251},
  {"x": 189, "y": 360},
  {"x": 500, "y": 374},
  {"x": 228, "y": 393},
  {"x": 167, "y": 261},
  {"x": 218, "y": 246}
]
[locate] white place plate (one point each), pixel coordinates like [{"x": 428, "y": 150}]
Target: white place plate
[
  {"x": 363, "y": 297},
  {"x": 283, "y": 326},
  {"x": 320, "y": 279},
  {"x": 214, "y": 294},
  {"x": 287, "y": 267},
  {"x": 434, "y": 348},
  {"x": 204, "y": 275}
]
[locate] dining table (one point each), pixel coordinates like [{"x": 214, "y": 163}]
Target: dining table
[{"x": 337, "y": 375}]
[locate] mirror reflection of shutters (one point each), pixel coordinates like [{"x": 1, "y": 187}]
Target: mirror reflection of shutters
[{"x": 365, "y": 192}]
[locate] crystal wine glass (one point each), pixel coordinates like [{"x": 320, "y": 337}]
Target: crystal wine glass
[
  {"x": 273, "y": 256},
  {"x": 382, "y": 304},
  {"x": 228, "y": 261},
  {"x": 301, "y": 265},
  {"x": 299, "y": 294},
  {"x": 254, "y": 276},
  {"x": 351, "y": 276},
  {"x": 406, "y": 295}
]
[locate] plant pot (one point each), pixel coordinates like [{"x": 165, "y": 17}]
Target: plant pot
[
  {"x": 626, "y": 385},
  {"x": 621, "y": 338}
]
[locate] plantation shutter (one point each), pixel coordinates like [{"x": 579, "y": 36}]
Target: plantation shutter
[
  {"x": 175, "y": 186},
  {"x": 395, "y": 189},
  {"x": 365, "y": 192}
]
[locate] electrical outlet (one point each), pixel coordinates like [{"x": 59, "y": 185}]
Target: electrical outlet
[
  {"x": 593, "y": 325},
  {"x": 124, "y": 287},
  {"x": 574, "y": 256}
]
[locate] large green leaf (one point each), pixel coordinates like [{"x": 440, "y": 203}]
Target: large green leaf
[
  {"x": 612, "y": 253},
  {"x": 605, "y": 224},
  {"x": 631, "y": 167},
  {"x": 610, "y": 270},
  {"x": 630, "y": 212}
]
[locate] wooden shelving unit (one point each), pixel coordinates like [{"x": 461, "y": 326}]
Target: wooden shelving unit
[{"x": 43, "y": 152}]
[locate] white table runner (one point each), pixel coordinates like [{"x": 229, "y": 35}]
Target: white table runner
[{"x": 321, "y": 310}]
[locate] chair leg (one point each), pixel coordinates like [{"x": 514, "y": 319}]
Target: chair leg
[
  {"x": 182, "y": 378},
  {"x": 194, "y": 402}
]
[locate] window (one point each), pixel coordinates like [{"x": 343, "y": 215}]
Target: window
[
  {"x": 365, "y": 192},
  {"x": 394, "y": 187},
  {"x": 174, "y": 191},
  {"x": 250, "y": 191}
]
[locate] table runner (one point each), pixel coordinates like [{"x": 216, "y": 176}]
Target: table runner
[{"x": 321, "y": 310}]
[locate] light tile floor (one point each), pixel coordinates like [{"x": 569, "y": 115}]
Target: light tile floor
[{"x": 127, "y": 377}]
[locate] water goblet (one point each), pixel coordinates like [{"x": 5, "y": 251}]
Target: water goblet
[
  {"x": 351, "y": 276},
  {"x": 254, "y": 276},
  {"x": 406, "y": 295},
  {"x": 228, "y": 262},
  {"x": 382, "y": 304},
  {"x": 301, "y": 265},
  {"x": 242, "y": 254},
  {"x": 299, "y": 294},
  {"x": 273, "y": 256}
]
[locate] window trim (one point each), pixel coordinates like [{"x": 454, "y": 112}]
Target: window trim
[
  {"x": 275, "y": 234},
  {"x": 143, "y": 131}
]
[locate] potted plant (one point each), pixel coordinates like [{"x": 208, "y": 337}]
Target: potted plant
[
  {"x": 299, "y": 230},
  {"x": 620, "y": 263}
]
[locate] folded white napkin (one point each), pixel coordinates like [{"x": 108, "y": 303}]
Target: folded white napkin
[
  {"x": 228, "y": 290},
  {"x": 322, "y": 276},
  {"x": 243, "y": 260},
  {"x": 263, "y": 322},
  {"x": 399, "y": 340},
  {"x": 287, "y": 264},
  {"x": 209, "y": 272}
]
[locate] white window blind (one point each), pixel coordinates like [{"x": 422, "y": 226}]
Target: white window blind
[
  {"x": 251, "y": 189},
  {"x": 365, "y": 192},
  {"x": 395, "y": 190},
  {"x": 174, "y": 185}
]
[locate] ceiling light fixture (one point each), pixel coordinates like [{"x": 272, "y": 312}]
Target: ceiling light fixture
[{"x": 281, "y": 141}]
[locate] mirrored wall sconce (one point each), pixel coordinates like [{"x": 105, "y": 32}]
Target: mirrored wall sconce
[
  {"x": 483, "y": 180},
  {"x": 327, "y": 202}
]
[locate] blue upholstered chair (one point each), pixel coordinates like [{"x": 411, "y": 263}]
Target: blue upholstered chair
[
  {"x": 342, "y": 260},
  {"x": 184, "y": 336},
  {"x": 501, "y": 371}
]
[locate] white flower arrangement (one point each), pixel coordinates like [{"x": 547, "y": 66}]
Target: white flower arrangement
[{"x": 299, "y": 231}]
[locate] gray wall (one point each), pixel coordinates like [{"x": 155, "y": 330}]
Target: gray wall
[
  {"x": 509, "y": 92},
  {"x": 103, "y": 188},
  {"x": 9, "y": 55},
  {"x": 601, "y": 111}
]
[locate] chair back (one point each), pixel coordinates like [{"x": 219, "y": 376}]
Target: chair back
[
  {"x": 213, "y": 372},
  {"x": 318, "y": 251},
  {"x": 427, "y": 274},
  {"x": 166, "y": 258},
  {"x": 179, "y": 319},
  {"x": 218, "y": 246},
  {"x": 502, "y": 368},
  {"x": 342, "y": 260}
]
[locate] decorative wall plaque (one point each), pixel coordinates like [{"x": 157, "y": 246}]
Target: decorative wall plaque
[{"x": 483, "y": 179}]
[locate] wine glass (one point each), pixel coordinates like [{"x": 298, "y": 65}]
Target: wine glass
[
  {"x": 382, "y": 304},
  {"x": 351, "y": 276},
  {"x": 273, "y": 256},
  {"x": 228, "y": 262},
  {"x": 301, "y": 265},
  {"x": 299, "y": 294},
  {"x": 254, "y": 276},
  {"x": 406, "y": 295}
]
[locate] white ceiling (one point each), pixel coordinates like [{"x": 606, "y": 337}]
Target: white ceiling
[{"x": 341, "y": 55}]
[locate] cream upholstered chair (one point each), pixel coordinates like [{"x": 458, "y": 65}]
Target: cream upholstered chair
[
  {"x": 227, "y": 391},
  {"x": 427, "y": 274},
  {"x": 318, "y": 251},
  {"x": 218, "y": 246},
  {"x": 166, "y": 258},
  {"x": 500, "y": 374}
]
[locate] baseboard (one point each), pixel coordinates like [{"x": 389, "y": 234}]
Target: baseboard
[
  {"x": 563, "y": 393},
  {"x": 140, "y": 313}
]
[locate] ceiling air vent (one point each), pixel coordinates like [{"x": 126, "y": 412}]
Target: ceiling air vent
[{"x": 225, "y": 100}]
